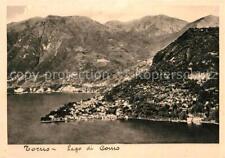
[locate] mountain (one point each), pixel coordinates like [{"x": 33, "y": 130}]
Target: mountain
[
  {"x": 150, "y": 26},
  {"x": 205, "y": 22},
  {"x": 182, "y": 81},
  {"x": 161, "y": 30},
  {"x": 56, "y": 43},
  {"x": 181, "y": 85},
  {"x": 80, "y": 44}
]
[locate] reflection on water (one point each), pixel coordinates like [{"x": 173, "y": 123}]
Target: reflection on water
[{"x": 24, "y": 127}]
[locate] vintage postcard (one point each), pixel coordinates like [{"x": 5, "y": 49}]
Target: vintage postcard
[{"x": 111, "y": 78}]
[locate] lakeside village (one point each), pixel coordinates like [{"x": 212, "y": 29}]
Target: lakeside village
[
  {"x": 67, "y": 86},
  {"x": 137, "y": 99},
  {"x": 98, "y": 108},
  {"x": 86, "y": 88}
]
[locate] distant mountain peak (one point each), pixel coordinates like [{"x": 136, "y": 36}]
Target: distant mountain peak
[
  {"x": 205, "y": 22},
  {"x": 157, "y": 25}
]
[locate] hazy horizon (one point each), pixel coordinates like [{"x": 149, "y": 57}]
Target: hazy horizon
[{"x": 103, "y": 11}]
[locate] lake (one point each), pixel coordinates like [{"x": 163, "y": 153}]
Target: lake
[{"x": 24, "y": 127}]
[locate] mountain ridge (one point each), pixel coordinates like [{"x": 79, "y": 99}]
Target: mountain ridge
[
  {"x": 77, "y": 44},
  {"x": 192, "y": 98}
]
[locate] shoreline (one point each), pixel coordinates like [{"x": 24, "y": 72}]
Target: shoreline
[
  {"x": 65, "y": 120},
  {"x": 133, "y": 118},
  {"x": 173, "y": 120},
  {"x": 106, "y": 117},
  {"x": 100, "y": 109},
  {"x": 48, "y": 90},
  {"x": 56, "y": 92}
]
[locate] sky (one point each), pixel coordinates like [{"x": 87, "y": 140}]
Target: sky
[{"x": 105, "y": 10}]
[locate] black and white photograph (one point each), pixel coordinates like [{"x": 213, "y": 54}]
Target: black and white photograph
[{"x": 115, "y": 72}]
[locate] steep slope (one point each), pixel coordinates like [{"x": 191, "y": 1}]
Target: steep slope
[
  {"x": 181, "y": 85},
  {"x": 70, "y": 44},
  {"x": 159, "y": 30},
  {"x": 51, "y": 43},
  {"x": 79, "y": 44},
  {"x": 77, "y": 47},
  {"x": 183, "y": 80}
]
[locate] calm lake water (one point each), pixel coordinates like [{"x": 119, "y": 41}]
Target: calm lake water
[{"x": 24, "y": 127}]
